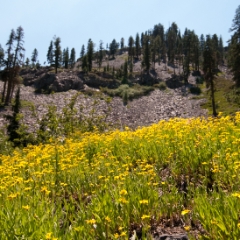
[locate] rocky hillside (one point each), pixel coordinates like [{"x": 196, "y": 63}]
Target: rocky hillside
[{"x": 146, "y": 110}]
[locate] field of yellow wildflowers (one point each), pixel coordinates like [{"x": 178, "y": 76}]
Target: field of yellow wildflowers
[{"x": 184, "y": 172}]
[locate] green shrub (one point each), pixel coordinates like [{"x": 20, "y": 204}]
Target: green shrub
[{"x": 195, "y": 90}]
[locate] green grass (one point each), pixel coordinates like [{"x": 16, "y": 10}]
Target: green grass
[
  {"x": 134, "y": 91},
  {"x": 225, "y": 97}
]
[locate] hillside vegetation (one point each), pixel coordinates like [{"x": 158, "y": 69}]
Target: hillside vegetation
[{"x": 179, "y": 174}]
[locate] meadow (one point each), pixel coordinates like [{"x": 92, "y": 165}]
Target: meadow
[{"x": 177, "y": 173}]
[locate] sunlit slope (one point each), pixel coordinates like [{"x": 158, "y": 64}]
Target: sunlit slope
[{"x": 98, "y": 186}]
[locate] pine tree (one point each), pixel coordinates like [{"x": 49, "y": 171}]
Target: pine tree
[
  {"x": 100, "y": 55},
  {"x": 154, "y": 48},
  {"x": 72, "y": 57},
  {"x": 131, "y": 47},
  {"x": 122, "y": 43},
  {"x": 66, "y": 58},
  {"x": 171, "y": 41},
  {"x": 221, "y": 51},
  {"x": 125, "y": 73},
  {"x": 27, "y": 62},
  {"x": 19, "y": 46},
  {"x": 10, "y": 54},
  {"x": 50, "y": 54},
  {"x": 113, "y": 47},
  {"x": 82, "y": 53},
  {"x": 57, "y": 53},
  {"x": 146, "y": 53},
  {"x": 90, "y": 54},
  {"x": 13, "y": 62},
  {"x": 137, "y": 45},
  {"x": 1, "y": 57},
  {"x": 209, "y": 64},
  {"x": 234, "y": 48},
  {"x": 142, "y": 40},
  {"x": 85, "y": 63},
  {"x": 34, "y": 56}
]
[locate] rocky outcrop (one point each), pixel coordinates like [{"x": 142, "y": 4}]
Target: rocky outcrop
[
  {"x": 45, "y": 80},
  {"x": 48, "y": 81}
]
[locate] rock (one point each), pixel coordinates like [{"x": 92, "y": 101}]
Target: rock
[{"x": 172, "y": 237}]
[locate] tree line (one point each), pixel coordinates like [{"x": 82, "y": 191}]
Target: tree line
[{"x": 185, "y": 51}]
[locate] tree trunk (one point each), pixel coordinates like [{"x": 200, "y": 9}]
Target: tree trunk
[
  {"x": 4, "y": 90},
  {"x": 7, "y": 99},
  {"x": 213, "y": 98}
]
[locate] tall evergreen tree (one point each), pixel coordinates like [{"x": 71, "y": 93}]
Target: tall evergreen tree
[
  {"x": 234, "y": 48},
  {"x": 1, "y": 57},
  {"x": 50, "y": 54},
  {"x": 113, "y": 47},
  {"x": 82, "y": 53},
  {"x": 9, "y": 52},
  {"x": 171, "y": 41},
  {"x": 13, "y": 63},
  {"x": 131, "y": 47},
  {"x": 34, "y": 56},
  {"x": 100, "y": 55},
  {"x": 90, "y": 54},
  {"x": 137, "y": 45},
  {"x": 72, "y": 57},
  {"x": 142, "y": 40},
  {"x": 209, "y": 64},
  {"x": 19, "y": 46},
  {"x": 122, "y": 43},
  {"x": 66, "y": 58},
  {"x": 221, "y": 51},
  {"x": 85, "y": 63},
  {"x": 57, "y": 53},
  {"x": 146, "y": 53},
  {"x": 14, "y": 121},
  {"x": 27, "y": 62}
]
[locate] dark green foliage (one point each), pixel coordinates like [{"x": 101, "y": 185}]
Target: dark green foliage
[
  {"x": 122, "y": 43},
  {"x": 195, "y": 90},
  {"x": 65, "y": 58},
  {"x": 13, "y": 62},
  {"x": 82, "y": 53},
  {"x": 137, "y": 45},
  {"x": 146, "y": 53},
  {"x": 113, "y": 47},
  {"x": 50, "y": 54},
  {"x": 171, "y": 41},
  {"x": 85, "y": 63},
  {"x": 234, "y": 48},
  {"x": 34, "y": 56},
  {"x": 1, "y": 57},
  {"x": 100, "y": 55},
  {"x": 57, "y": 52},
  {"x": 16, "y": 131},
  {"x": 209, "y": 64},
  {"x": 18, "y": 56},
  {"x": 90, "y": 54},
  {"x": 72, "y": 57},
  {"x": 125, "y": 73},
  {"x": 131, "y": 49},
  {"x": 27, "y": 62}
]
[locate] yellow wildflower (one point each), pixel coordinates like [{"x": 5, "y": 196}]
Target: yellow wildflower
[
  {"x": 91, "y": 221},
  {"x": 26, "y": 207},
  {"x": 144, "y": 201},
  {"x": 184, "y": 212},
  {"x": 145, "y": 216},
  {"x": 187, "y": 228},
  {"x": 123, "y": 192},
  {"x": 108, "y": 219}
]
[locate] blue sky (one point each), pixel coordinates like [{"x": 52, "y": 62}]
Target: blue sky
[{"x": 75, "y": 21}]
